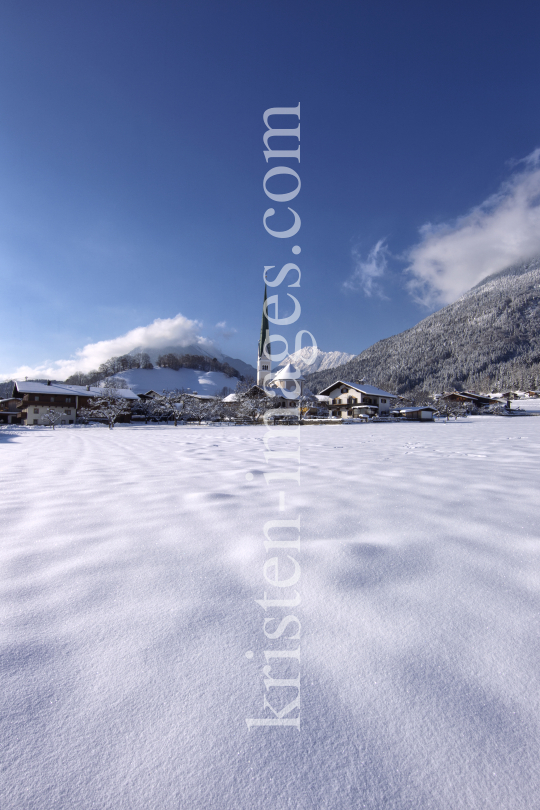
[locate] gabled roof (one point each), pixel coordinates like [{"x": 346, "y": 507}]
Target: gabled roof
[
  {"x": 364, "y": 388},
  {"x": 28, "y": 387},
  {"x": 150, "y": 393}
]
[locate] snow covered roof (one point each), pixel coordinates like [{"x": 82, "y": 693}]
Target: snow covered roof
[
  {"x": 231, "y": 398},
  {"x": 288, "y": 372},
  {"x": 28, "y": 387},
  {"x": 364, "y": 388}
]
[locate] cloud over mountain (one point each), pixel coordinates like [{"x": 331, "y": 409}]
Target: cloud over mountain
[
  {"x": 160, "y": 334},
  {"x": 503, "y": 230}
]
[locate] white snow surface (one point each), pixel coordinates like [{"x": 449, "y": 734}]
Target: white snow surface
[
  {"x": 141, "y": 380},
  {"x": 303, "y": 359},
  {"x": 131, "y": 563}
]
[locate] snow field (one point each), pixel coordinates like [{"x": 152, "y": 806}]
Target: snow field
[{"x": 132, "y": 559}]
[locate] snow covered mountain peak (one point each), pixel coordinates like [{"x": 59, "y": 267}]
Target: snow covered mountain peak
[{"x": 310, "y": 359}]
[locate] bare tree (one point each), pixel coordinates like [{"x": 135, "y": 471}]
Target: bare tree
[
  {"x": 169, "y": 404},
  {"x": 109, "y": 405},
  {"x": 53, "y": 416}
]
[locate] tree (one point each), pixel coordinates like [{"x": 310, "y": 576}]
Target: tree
[
  {"x": 109, "y": 405},
  {"x": 199, "y": 409},
  {"x": 169, "y": 404},
  {"x": 117, "y": 383},
  {"x": 53, "y": 416}
]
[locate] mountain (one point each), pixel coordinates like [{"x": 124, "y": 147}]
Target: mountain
[
  {"x": 245, "y": 369},
  {"x": 323, "y": 360},
  {"x": 488, "y": 339}
]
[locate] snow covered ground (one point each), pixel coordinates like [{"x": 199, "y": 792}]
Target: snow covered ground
[{"x": 131, "y": 563}]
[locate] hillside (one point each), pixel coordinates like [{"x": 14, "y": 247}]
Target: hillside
[
  {"x": 246, "y": 369},
  {"x": 489, "y": 338}
]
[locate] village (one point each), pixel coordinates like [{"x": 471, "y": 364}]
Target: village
[
  {"x": 283, "y": 393},
  {"x": 55, "y": 403}
]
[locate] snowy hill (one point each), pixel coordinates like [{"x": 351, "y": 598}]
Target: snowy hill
[
  {"x": 303, "y": 359},
  {"x": 489, "y": 338},
  {"x": 244, "y": 368},
  {"x": 141, "y": 380}
]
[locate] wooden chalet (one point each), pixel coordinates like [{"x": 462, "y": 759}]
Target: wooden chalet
[{"x": 10, "y": 411}]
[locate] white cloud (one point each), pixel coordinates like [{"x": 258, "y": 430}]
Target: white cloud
[
  {"x": 225, "y": 331},
  {"x": 161, "y": 333},
  {"x": 365, "y": 273},
  {"x": 505, "y": 229}
]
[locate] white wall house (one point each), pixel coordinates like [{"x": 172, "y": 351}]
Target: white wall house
[{"x": 356, "y": 399}]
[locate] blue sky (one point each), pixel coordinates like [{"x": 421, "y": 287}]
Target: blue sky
[{"x": 131, "y": 165}]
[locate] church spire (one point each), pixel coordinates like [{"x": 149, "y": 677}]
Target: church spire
[
  {"x": 264, "y": 326},
  {"x": 263, "y": 363}
]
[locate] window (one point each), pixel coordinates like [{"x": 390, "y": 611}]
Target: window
[
  {"x": 63, "y": 422},
  {"x": 35, "y": 421},
  {"x": 344, "y": 390},
  {"x": 68, "y": 399},
  {"x": 68, "y": 413},
  {"x": 383, "y": 400},
  {"x": 265, "y": 368},
  {"x": 52, "y": 399},
  {"x": 71, "y": 421},
  {"x": 355, "y": 401},
  {"x": 36, "y": 397},
  {"x": 36, "y": 410}
]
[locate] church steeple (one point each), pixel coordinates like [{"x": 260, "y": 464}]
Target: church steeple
[{"x": 264, "y": 366}]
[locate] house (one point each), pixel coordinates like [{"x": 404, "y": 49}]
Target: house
[
  {"x": 468, "y": 398},
  {"x": 457, "y": 396},
  {"x": 10, "y": 411},
  {"x": 38, "y": 398},
  {"x": 357, "y": 399},
  {"x": 422, "y": 413}
]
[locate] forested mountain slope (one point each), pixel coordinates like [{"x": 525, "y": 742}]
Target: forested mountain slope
[{"x": 488, "y": 339}]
